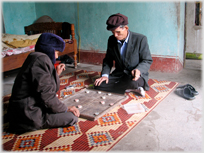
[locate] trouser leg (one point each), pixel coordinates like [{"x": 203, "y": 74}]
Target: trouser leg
[
  {"x": 60, "y": 120},
  {"x": 120, "y": 84},
  {"x": 130, "y": 84}
]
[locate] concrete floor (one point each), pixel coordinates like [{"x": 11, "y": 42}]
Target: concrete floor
[{"x": 174, "y": 125}]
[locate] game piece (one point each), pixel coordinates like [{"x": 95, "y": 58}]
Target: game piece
[
  {"x": 92, "y": 102},
  {"x": 79, "y": 106},
  {"x": 109, "y": 94},
  {"x": 76, "y": 100},
  {"x": 103, "y": 102},
  {"x": 96, "y": 113},
  {"x": 111, "y": 104},
  {"x": 99, "y": 92},
  {"x": 87, "y": 91},
  {"x": 103, "y": 97}
]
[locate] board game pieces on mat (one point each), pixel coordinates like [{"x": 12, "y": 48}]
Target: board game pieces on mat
[{"x": 92, "y": 106}]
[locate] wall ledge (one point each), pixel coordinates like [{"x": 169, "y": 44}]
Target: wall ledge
[
  {"x": 197, "y": 27},
  {"x": 160, "y": 63}
]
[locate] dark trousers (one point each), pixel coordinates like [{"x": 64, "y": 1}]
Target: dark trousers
[
  {"x": 120, "y": 84},
  {"x": 53, "y": 121},
  {"x": 60, "y": 120}
]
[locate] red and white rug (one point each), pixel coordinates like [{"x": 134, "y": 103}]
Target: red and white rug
[{"x": 99, "y": 135}]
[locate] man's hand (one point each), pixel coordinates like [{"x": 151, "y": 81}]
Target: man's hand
[
  {"x": 100, "y": 80},
  {"x": 60, "y": 68},
  {"x": 136, "y": 74},
  {"x": 74, "y": 110}
]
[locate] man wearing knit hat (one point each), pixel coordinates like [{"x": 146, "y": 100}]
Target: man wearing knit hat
[
  {"x": 131, "y": 55},
  {"x": 33, "y": 104}
]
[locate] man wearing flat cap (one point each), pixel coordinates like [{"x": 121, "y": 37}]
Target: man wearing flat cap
[{"x": 130, "y": 54}]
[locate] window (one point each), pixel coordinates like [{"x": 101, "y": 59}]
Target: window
[{"x": 198, "y": 13}]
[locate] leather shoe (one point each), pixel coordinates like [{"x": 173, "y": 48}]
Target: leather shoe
[{"x": 185, "y": 92}]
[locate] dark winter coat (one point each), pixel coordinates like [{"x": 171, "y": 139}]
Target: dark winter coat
[
  {"x": 34, "y": 94},
  {"x": 137, "y": 56}
]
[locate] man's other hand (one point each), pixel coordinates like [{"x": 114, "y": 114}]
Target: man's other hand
[
  {"x": 74, "y": 110},
  {"x": 60, "y": 68},
  {"x": 136, "y": 74}
]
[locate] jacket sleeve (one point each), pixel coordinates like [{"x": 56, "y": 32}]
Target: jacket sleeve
[
  {"x": 43, "y": 78},
  {"x": 145, "y": 56},
  {"x": 108, "y": 60}
]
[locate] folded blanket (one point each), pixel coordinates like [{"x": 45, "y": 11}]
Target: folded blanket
[{"x": 19, "y": 41}]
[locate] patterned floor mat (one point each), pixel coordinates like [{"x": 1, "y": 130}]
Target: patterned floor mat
[{"x": 99, "y": 135}]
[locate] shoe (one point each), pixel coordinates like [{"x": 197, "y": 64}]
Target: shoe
[
  {"x": 185, "y": 92},
  {"x": 139, "y": 90},
  {"x": 191, "y": 88}
]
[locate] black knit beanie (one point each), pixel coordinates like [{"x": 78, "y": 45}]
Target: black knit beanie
[{"x": 47, "y": 43}]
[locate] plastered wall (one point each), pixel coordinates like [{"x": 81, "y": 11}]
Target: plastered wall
[
  {"x": 161, "y": 22},
  {"x": 194, "y": 35}
]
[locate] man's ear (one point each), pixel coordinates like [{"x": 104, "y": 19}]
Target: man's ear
[{"x": 126, "y": 27}]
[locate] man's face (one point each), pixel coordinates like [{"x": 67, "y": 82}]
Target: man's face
[
  {"x": 120, "y": 33},
  {"x": 56, "y": 54}
]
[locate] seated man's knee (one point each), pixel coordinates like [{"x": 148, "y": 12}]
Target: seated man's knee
[{"x": 72, "y": 118}]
